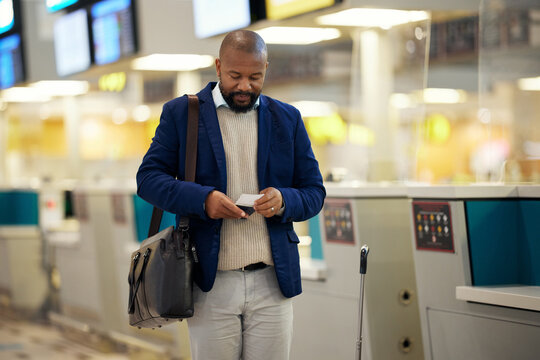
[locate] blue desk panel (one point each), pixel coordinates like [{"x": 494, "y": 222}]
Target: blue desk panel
[
  {"x": 504, "y": 241},
  {"x": 143, "y": 214},
  {"x": 19, "y": 208}
]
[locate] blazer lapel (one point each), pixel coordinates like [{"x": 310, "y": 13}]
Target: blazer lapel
[
  {"x": 265, "y": 126},
  {"x": 208, "y": 117}
]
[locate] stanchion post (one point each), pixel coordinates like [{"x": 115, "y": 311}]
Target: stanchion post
[{"x": 364, "y": 251}]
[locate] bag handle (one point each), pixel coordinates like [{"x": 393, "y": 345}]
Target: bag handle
[
  {"x": 133, "y": 295},
  {"x": 191, "y": 161}
]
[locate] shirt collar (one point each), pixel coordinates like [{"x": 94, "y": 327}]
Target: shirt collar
[{"x": 220, "y": 101}]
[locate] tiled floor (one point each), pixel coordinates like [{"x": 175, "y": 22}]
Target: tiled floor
[{"x": 22, "y": 339}]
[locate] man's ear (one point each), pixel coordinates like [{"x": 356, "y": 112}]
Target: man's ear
[{"x": 218, "y": 67}]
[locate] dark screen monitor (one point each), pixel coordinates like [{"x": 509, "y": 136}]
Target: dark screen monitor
[
  {"x": 113, "y": 30},
  {"x": 68, "y": 204},
  {"x": 218, "y": 17},
  {"x": 11, "y": 61},
  {"x": 72, "y": 43}
]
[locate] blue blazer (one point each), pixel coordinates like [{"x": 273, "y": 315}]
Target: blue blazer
[{"x": 285, "y": 161}]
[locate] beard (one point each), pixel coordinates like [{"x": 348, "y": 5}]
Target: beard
[{"x": 229, "y": 99}]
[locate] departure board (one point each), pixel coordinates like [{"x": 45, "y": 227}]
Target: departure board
[
  {"x": 11, "y": 61},
  {"x": 113, "y": 30},
  {"x": 72, "y": 43}
]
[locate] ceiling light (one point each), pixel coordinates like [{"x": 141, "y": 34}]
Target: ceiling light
[
  {"x": 401, "y": 101},
  {"x": 529, "y": 84},
  {"x": 141, "y": 113},
  {"x": 119, "y": 116},
  {"x": 61, "y": 87},
  {"x": 91, "y": 129},
  {"x": 44, "y": 112},
  {"x": 172, "y": 62},
  {"x": 443, "y": 96},
  {"x": 297, "y": 35},
  {"x": 24, "y": 94},
  {"x": 315, "y": 108},
  {"x": 365, "y": 17}
]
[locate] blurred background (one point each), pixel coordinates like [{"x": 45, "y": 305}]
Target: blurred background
[{"x": 393, "y": 94}]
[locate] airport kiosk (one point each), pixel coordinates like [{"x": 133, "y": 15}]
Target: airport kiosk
[
  {"x": 326, "y": 313},
  {"x": 93, "y": 263},
  {"x": 23, "y": 277},
  {"x": 477, "y": 260}
]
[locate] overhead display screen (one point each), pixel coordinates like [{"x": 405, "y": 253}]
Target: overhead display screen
[
  {"x": 281, "y": 9},
  {"x": 213, "y": 17},
  {"x": 7, "y": 15},
  {"x": 55, "y": 5},
  {"x": 72, "y": 43},
  {"x": 11, "y": 61},
  {"x": 113, "y": 30}
]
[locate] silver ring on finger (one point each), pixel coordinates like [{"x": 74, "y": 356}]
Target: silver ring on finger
[{"x": 272, "y": 209}]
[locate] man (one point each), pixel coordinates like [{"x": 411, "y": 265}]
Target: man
[{"x": 248, "y": 143}]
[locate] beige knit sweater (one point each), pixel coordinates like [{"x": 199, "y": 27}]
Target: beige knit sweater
[{"x": 243, "y": 241}]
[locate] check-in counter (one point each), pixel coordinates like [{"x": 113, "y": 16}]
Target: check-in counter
[
  {"x": 23, "y": 278},
  {"x": 477, "y": 260},
  {"x": 326, "y": 313},
  {"x": 88, "y": 260},
  {"x": 93, "y": 264}
]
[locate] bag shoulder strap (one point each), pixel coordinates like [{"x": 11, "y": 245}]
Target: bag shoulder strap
[
  {"x": 192, "y": 137},
  {"x": 191, "y": 159}
]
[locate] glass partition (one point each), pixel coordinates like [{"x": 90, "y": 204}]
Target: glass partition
[
  {"x": 450, "y": 98},
  {"x": 360, "y": 97},
  {"x": 508, "y": 146}
]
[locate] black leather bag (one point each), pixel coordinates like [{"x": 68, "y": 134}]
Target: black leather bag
[
  {"x": 161, "y": 279},
  {"x": 161, "y": 273}
]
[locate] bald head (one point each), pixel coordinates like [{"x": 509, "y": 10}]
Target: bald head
[
  {"x": 241, "y": 68},
  {"x": 246, "y": 41}
]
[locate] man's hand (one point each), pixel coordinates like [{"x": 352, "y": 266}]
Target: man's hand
[
  {"x": 270, "y": 203},
  {"x": 219, "y": 206}
]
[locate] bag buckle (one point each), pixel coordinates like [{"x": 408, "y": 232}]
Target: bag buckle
[{"x": 183, "y": 224}]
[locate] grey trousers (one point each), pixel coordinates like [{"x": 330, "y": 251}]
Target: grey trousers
[{"x": 244, "y": 316}]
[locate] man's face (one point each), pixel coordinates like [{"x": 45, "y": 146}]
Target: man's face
[{"x": 241, "y": 78}]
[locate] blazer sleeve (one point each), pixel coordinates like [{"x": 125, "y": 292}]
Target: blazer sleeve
[
  {"x": 159, "y": 178},
  {"x": 305, "y": 198}
]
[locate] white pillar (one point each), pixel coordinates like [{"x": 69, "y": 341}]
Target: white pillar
[
  {"x": 72, "y": 121},
  {"x": 188, "y": 82},
  {"x": 3, "y": 143},
  {"x": 371, "y": 87}
]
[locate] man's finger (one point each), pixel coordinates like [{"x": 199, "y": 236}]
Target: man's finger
[
  {"x": 269, "y": 194},
  {"x": 230, "y": 210},
  {"x": 219, "y": 206}
]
